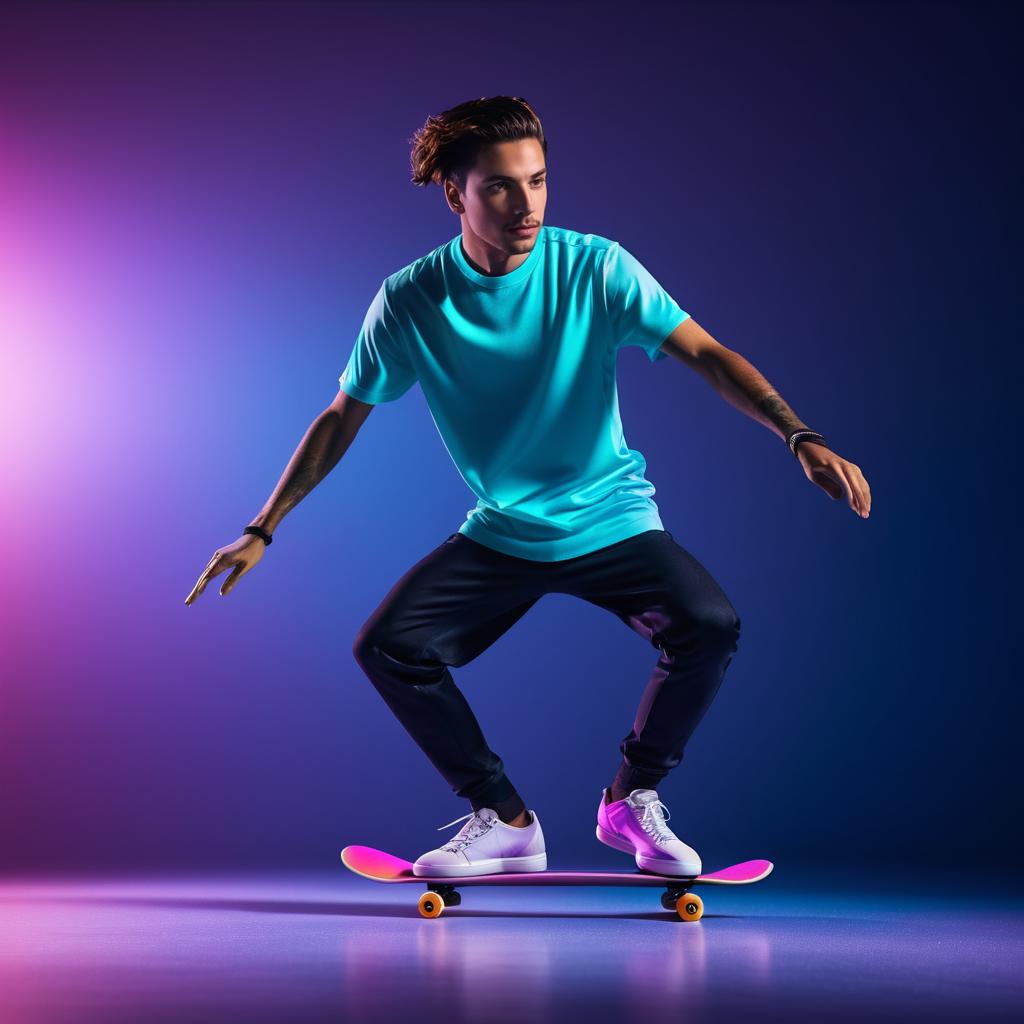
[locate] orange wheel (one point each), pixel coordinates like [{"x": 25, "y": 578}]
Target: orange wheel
[
  {"x": 431, "y": 904},
  {"x": 690, "y": 907}
]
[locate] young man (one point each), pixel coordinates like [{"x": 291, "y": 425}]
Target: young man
[{"x": 512, "y": 329}]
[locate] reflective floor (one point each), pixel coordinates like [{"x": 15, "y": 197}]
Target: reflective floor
[{"x": 797, "y": 946}]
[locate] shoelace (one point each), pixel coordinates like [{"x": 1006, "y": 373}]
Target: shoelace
[
  {"x": 473, "y": 829},
  {"x": 656, "y": 821}
]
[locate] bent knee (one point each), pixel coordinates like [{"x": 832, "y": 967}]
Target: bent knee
[
  {"x": 362, "y": 646},
  {"x": 724, "y": 624},
  {"x": 370, "y": 644},
  {"x": 716, "y": 625},
  {"x": 374, "y": 649},
  {"x": 722, "y": 620}
]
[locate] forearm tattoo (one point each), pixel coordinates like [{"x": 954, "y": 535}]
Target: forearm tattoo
[{"x": 774, "y": 407}]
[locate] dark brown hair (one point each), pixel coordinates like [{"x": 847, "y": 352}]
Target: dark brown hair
[{"x": 447, "y": 145}]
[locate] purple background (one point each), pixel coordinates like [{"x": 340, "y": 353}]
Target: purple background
[{"x": 197, "y": 203}]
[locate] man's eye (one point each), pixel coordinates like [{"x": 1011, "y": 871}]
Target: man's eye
[{"x": 501, "y": 184}]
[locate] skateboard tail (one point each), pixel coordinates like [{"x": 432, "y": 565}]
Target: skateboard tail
[
  {"x": 740, "y": 874},
  {"x": 375, "y": 864}
]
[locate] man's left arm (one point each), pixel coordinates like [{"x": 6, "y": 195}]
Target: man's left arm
[{"x": 742, "y": 385}]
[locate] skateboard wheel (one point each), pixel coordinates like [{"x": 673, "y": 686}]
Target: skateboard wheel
[
  {"x": 431, "y": 904},
  {"x": 690, "y": 907}
]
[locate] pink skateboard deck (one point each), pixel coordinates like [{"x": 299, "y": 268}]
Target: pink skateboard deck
[{"x": 441, "y": 892}]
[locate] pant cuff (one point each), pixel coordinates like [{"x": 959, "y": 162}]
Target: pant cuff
[
  {"x": 502, "y": 797},
  {"x": 628, "y": 778}
]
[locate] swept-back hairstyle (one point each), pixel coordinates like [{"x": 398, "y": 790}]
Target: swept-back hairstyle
[{"x": 447, "y": 145}]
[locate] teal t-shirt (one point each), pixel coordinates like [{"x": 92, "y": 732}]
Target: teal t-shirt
[{"x": 518, "y": 371}]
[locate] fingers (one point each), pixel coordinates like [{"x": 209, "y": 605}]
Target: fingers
[
  {"x": 831, "y": 470},
  {"x": 854, "y": 492},
  {"x": 865, "y": 490},
  {"x": 230, "y": 581},
  {"x": 824, "y": 477},
  {"x": 851, "y": 494},
  {"x": 212, "y": 569}
]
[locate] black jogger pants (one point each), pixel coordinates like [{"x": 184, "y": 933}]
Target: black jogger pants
[{"x": 455, "y": 602}]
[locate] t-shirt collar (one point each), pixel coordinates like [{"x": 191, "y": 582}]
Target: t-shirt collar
[{"x": 497, "y": 280}]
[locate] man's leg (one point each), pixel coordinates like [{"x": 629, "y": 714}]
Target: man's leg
[
  {"x": 446, "y": 610},
  {"x": 663, "y": 593}
]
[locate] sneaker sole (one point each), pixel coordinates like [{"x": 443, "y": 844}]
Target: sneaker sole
[
  {"x": 645, "y": 863},
  {"x": 493, "y": 866}
]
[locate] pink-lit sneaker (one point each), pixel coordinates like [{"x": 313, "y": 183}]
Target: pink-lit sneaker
[{"x": 637, "y": 825}]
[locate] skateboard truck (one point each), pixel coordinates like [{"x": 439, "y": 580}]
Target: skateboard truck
[
  {"x": 689, "y": 906},
  {"x": 447, "y": 894}
]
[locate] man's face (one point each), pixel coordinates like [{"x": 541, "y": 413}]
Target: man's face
[{"x": 507, "y": 186}]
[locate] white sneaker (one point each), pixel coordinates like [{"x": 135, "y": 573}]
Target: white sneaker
[{"x": 485, "y": 845}]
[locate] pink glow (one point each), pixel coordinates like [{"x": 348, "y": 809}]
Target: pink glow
[
  {"x": 747, "y": 871},
  {"x": 365, "y": 860}
]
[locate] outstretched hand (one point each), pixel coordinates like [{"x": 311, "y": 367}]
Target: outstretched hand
[
  {"x": 243, "y": 555},
  {"x": 835, "y": 476}
]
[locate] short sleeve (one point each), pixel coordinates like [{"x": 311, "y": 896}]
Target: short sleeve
[
  {"x": 378, "y": 369},
  {"x": 641, "y": 311}
]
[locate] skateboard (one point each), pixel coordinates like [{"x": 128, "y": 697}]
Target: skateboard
[{"x": 443, "y": 892}]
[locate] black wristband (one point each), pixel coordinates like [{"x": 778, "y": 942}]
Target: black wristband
[
  {"x": 258, "y": 531},
  {"x": 804, "y": 435}
]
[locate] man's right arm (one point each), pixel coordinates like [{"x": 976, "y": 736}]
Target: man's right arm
[{"x": 319, "y": 451}]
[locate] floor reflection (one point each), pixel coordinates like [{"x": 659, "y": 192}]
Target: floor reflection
[{"x": 340, "y": 949}]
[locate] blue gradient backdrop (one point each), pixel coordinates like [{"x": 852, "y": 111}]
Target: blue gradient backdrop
[{"x": 197, "y": 203}]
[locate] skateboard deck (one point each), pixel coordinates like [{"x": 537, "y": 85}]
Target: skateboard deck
[{"x": 443, "y": 891}]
